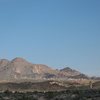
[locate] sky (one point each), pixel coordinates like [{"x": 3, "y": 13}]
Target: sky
[{"x": 58, "y": 33}]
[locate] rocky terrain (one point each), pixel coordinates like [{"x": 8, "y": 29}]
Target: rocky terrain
[{"x": 20, "y": 69}]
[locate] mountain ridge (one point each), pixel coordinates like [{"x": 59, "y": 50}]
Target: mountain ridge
[{"x": 19, "y": 68}]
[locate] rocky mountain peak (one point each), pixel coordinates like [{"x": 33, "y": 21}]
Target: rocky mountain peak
[
  {"x": 66, "y": 69},
  {"x": 4, "y": 62},
  {"x": 19, "y": 59},
  {"x": 20, "y": 68}
]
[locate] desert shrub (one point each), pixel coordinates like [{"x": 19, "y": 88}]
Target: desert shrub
[
  {"x": 7, "y": 92},
  {"x": 50, "y": 95}
]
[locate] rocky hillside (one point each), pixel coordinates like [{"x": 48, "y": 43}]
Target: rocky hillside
[
  {"x": 69, "y": 72},
  {"x": 19, "y": 68}
]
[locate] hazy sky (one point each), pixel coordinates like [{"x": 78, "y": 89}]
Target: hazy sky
[{"x": 52, "y": 32}]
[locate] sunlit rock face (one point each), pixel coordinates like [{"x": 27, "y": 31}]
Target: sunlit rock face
[{"x": 19, "y": 69}]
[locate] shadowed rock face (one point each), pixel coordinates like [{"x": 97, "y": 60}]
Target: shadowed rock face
[
  {"x": 4, "y": 62},
  {"x": 19, "y": 68},
  {"x": 69, "y": 72}
]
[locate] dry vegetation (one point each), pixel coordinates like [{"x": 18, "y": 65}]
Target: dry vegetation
[
  {"x": 78, "y": 94},
  {"x": 43, "y": 92}
]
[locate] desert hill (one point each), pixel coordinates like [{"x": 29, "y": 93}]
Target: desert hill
[{"x": 19, "y": 69}]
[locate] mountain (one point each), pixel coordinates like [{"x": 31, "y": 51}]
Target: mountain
[
  {"x": 3, "y": 62},
  {"x": 69, "y": 72},
  {"x": 19, "y": 69}
]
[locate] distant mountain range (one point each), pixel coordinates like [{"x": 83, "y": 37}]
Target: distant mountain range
[{"x": 20, "y": 69}]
